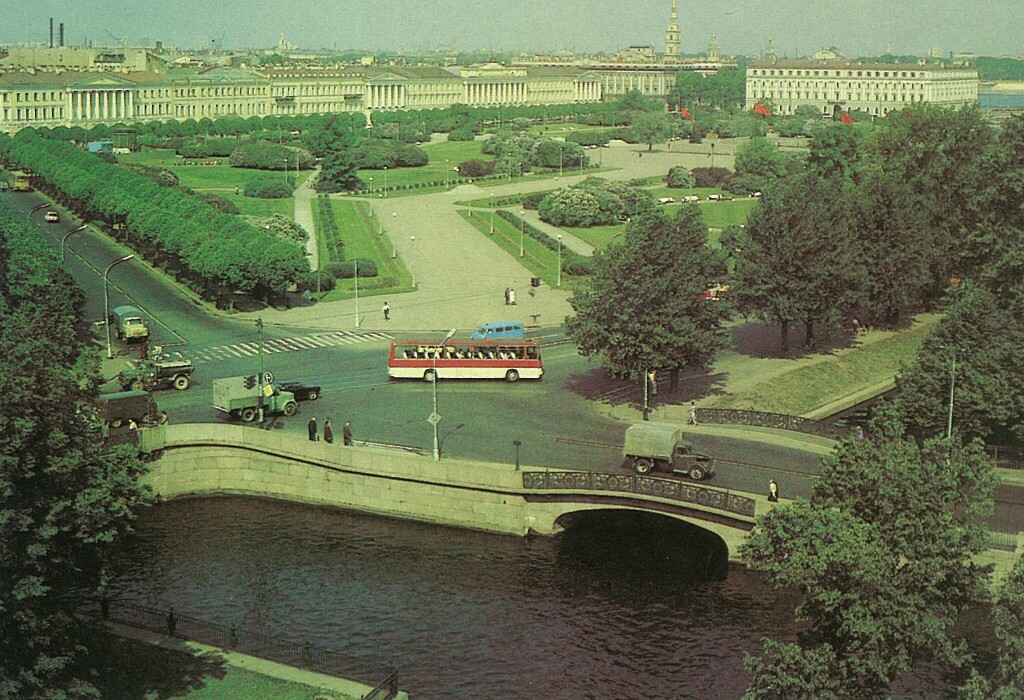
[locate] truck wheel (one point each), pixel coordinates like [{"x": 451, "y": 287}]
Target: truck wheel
[
  {"x": 512, "y": 376},
  {"x": 430, "y": 375},
  {"x": 136, "y": 385},
  {"x": 248, "y": 415},
  {"x": 696, "y": 473},
  {"x": 182, "y": 382},
  {"x": 643, "y": 465},
  {"x": 290, "y": 408}
]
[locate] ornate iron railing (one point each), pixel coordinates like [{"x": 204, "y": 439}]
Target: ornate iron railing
[
  {"x": 381, "y": 677},
  {"x": 760, "y": 419},
  {"x": 672, "y": 489},
  {"x": 1006, "y": 457}
]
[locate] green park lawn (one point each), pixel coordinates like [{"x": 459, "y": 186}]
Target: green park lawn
[{"x": 363, "y": 238}]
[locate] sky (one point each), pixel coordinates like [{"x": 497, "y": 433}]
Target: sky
[{"x": 797, "y": 27}]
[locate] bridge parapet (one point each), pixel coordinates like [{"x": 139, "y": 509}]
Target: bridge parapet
[{"x": 702, "y": 497}]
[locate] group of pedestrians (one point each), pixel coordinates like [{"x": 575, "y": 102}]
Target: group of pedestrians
[
  {"x": 510, "y": 296},
  {"x": 314, "y": 434}
]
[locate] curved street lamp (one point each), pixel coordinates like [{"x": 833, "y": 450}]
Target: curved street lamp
[
  {"x": 106, "y": 300},
  {"x": 522, "y": 233},
  {"x": 64, "y": 240},
  {"x": 559, "y": 261},
  {"x": 434, "y": 417}
]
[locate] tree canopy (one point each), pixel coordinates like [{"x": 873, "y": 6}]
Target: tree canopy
[
  {"x": 644, "y": 309},
  {"x": 64, "y": 502}
]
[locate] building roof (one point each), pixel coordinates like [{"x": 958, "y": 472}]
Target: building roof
[
  {"x": 63, "y": 79},
  {"x": 846, "y": 64}
]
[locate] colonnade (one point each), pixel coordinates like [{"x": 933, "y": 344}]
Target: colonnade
[
  {"x": 495, "y": 93},
  {"x": 89, "y": 105},
  {"x": 387, "y": 96}
]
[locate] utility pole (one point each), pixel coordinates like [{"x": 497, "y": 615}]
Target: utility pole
[{"x": 259, "y": 377}]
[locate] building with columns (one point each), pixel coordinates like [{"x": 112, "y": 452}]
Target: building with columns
[
  {"x": 838, "y": 86},
  {"x": 70, "y": 98}
]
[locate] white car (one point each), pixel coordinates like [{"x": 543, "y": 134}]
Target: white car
[{"x": 52, "y": 216}]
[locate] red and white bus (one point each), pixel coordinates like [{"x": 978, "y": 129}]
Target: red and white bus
[{"x": 510, "y": 360}]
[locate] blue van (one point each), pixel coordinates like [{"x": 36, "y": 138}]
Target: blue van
[{"x": 512, "y": 330}]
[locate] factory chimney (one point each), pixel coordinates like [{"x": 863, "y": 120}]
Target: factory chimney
[
  {"x": 60, "y": 33},
  {"x": 51, "y": 32}
]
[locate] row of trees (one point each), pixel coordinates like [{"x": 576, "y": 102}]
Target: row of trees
[
  {"x": 217, "y": 252},
  {"x": 66, "y": 503}
]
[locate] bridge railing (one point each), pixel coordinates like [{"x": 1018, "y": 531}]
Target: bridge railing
[
  {"x": 381, "y": 677},
  {"x": 761, "y": 419},
  {"x": 672, "y": 489}
]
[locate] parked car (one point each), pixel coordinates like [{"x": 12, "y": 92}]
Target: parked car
[
  {"x": 52, "y": 216},
  {"x": 303, "y": 392}
]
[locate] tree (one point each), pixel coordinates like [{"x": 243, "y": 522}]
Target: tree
[
  {"x": 66, "y": 502},
  {"x": 835, "y": 149},
  {"x": 1007, "y": 683},
  {"x": 649, "y": 127},
  {"x": 760, "y": 163},
  {"x": 796, "y": 260},
  {"x": 644, "y": 309},
  {"x": 339, "y": 170},
  {"x": 985, "y": 332},
  {"x": 882, "y": 556},
  {"x": 680, "y": 178}
]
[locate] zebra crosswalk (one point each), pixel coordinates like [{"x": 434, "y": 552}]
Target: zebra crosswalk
[{"x": 278, "y": 345}]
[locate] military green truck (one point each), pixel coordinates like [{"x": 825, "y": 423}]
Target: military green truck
[
  {"x": 129, "y": 408},
  {"x": 660, "y": 446},
  {"x": 157, "y": 372},
  {"x": 239, "y": 397},
  {"x": 128, "y": 323}
]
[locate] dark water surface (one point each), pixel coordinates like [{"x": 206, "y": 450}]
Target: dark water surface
[{"x": 618, "y": 607}]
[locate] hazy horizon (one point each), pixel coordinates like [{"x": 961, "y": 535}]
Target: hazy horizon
[{"x": 797, "y": 27}]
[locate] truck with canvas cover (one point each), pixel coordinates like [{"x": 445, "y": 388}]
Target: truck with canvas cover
[
  {"x": 239, "y": 397},
  {"x": 128, "y": 323},
  {"x": 660, "y": 446},
  {"x": 157, "y": 372}
]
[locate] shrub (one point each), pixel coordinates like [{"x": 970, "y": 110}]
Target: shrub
[
  {"x": 463, "y": 133},
  {"x": 679, "y": 177},
  {"x": 218, "y": 202},
  {"x": 267, "y": 188},
  {"x": 269, "y": 156},
  {"x": 309, "y": 282},
  {"x": 710, "y": 177},
  {"x": 346, "y": 269},
  {"x": 532, "y": 200},
  {"x": 476, "y": 168}
]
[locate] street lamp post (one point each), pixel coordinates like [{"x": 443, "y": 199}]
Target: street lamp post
[
  {"x": 106, "y": 300},
  {"x": 371, "y": 185},
  {"x": 559, "y": 260},
  {"x": 65, "y": 239},
  {"x": 446, "y": 171},
  {"x": 286, "y": 170},
  {"x": 522, "y": 233},
  {"x": 394, "y": 250},
  {"x": 385, "y": 181},
  {"x": 434, "y": 417},
  {"x": 490, "y": 201},
  {"x": 356, "y": 278},
  {"x": 952, "y": 385},
  {"x": 559, "y": 160}
]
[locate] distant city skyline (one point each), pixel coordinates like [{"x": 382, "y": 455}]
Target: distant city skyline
[{"x": 797, "y": 27}]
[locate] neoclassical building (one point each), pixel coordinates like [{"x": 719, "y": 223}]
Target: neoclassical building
[
  {"x": 80, "y": 98},
  {"x": 833, "y": 86}
]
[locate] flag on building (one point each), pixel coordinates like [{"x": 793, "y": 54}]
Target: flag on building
[
  {"x": 762, "y": 110},
  {"x": 845, "y": 118},
  {"x": 684, "y": 113}
]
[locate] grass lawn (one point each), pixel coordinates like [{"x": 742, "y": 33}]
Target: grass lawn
[
  {"x": 814, "y": 381},
  {"x": 598, "y": 236},
  {"x": 127, "y": 668},
  {"x": 538, "y": 258},
  {"x": 358, "y": 230}
]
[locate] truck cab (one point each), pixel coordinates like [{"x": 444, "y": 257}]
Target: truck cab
[{"x": 661, "y": 447}]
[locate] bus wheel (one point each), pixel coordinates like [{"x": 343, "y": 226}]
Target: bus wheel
[
  {"x": 430, "y": 375},
  {"x": 511, "y": 376}
]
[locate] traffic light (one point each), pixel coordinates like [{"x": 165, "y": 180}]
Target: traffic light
[
  {"x": 250, "y": 381},
  {"x": 535, "y": 281}
]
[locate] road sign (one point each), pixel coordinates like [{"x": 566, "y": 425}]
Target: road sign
[{"x": 434, "y": 418}]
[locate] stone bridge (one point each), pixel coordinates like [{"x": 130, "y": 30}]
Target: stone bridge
[{"x": 210, "y": 459}]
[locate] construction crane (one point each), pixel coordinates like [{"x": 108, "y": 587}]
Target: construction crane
[{"x": 122, "y": 41}]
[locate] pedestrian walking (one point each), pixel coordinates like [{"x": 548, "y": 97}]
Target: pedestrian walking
[
  {"x": 507, "y": 292},
  {"x": 387, "y": 312},
  {"x": 773, "y": 491},
  {"x": 692, "y": 420},
  {"x": 346, "y": 433},
  {"x": 512, "y": 297},
  {"x": 312, "y": 429},
  {"x": 328, "y": 433}
]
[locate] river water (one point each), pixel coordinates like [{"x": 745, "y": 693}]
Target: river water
[{"x": 620, "y": 606}]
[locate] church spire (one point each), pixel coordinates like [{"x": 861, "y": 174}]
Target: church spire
[{"x": 672, "y": 34}]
